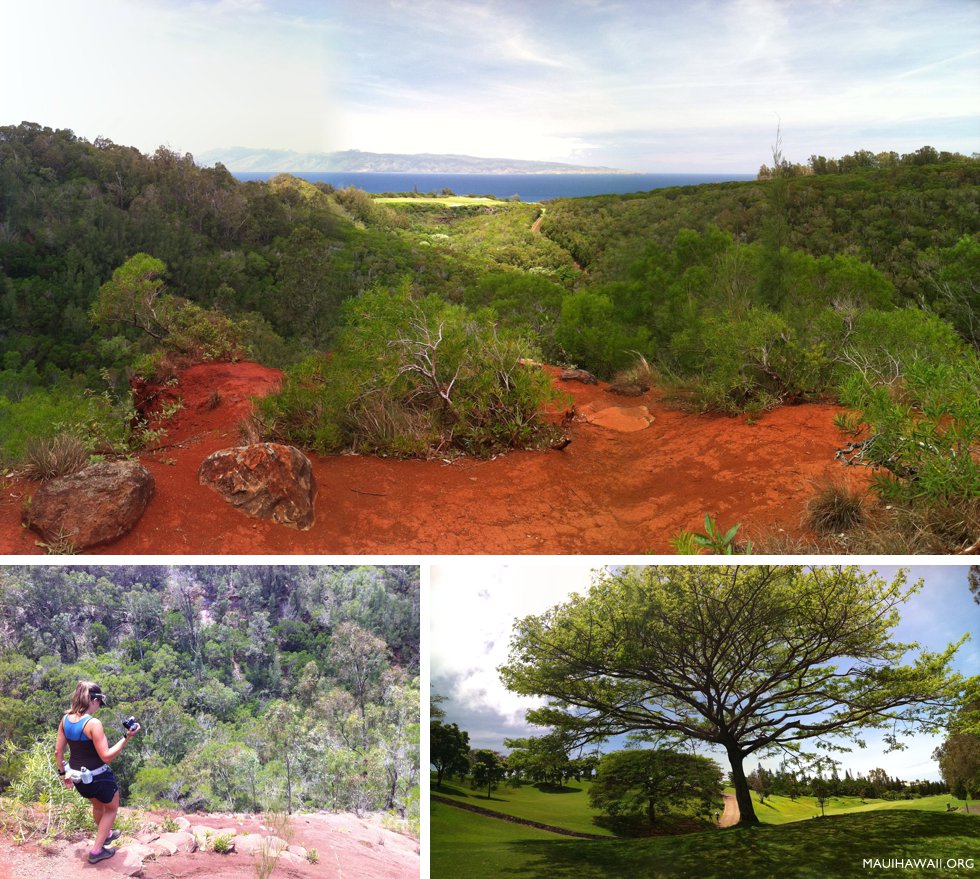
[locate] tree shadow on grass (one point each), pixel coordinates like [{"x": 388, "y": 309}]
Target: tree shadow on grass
[
  {"x": 547, "y": 788},
  {"x": 449, "y": 790},
  {"x": 825, "y": 848},
  {"x": 636, "y": 826}
]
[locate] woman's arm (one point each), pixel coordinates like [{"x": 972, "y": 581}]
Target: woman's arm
[
  {"x": 59, "y": 753},
  {"x": 94, "y": 730}
]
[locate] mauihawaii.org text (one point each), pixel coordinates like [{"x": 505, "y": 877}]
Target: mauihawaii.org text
[{"x": 917, "y": 863}]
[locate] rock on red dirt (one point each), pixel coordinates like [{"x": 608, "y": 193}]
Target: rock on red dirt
[
  {"x": 97, "y": 505},
  {"x": 264, "y": 480},
  {"x": 608, "y": 492}
]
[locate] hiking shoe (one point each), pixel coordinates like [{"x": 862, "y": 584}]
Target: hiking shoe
[
  {"x": 113, "y": 836},
  {"x": 101, "y": 856}
]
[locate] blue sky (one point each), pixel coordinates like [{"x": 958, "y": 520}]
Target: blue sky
[
  {"x": 472, "y": 612},
  {"x": 646, "y": 86}
]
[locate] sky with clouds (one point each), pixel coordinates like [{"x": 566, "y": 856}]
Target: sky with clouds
[
  {"x": 645, "y": 85},
  {"x": 473, "y": 609}
]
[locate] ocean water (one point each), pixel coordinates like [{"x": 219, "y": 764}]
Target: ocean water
[{"x": 528, "y": 187}]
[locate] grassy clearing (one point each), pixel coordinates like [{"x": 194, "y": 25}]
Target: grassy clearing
[
  {"x": 828, "y": 848},
  {"x": 783, "y": 810},
  {"x": 449, "y": 201},
  {"x": 566, "y": 807}
]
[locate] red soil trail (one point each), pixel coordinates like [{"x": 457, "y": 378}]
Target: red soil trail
[{"x": 608, "y": 492}]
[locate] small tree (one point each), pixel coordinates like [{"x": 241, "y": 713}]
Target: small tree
[
  {"x": 133, "y": 296},
  {"x": 540, "y": 758},
  {"x": 487, "y": 770},
  {"x": 959, "y": 765},
  {"x": 449, "y": 749},
  {"x": 646, "y": 782}
]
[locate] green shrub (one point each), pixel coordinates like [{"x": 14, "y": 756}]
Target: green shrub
[
  {"x": 916, "y": 385},
  {"x": 413, "y": 377},
  {"x": 750, "y": 363},
  {"x": 591, "y": 332},
  {"x": 42, "y": 807},
  {"x": 924, "y": 428},
  {"x": 100, "y": 422}
]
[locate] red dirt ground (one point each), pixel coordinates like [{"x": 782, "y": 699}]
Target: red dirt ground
[
  {"x": 607, "y": 492},
  {"x": 347, "y": 846}
]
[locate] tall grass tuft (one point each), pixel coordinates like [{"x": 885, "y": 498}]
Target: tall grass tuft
[
  {"x": 62, "y": 455},
  {"x": 835, "y": 507},
  {"x": 40, "y": 807}
]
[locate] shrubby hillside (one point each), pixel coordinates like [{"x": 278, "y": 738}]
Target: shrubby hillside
[
  {"x": 848, "y": 280},
  {"x": 258, "y": 688}
]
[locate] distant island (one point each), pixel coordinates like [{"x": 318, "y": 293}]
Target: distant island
[{"x": 245, "y": 159}]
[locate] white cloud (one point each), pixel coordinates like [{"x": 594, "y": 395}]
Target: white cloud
[
  {"x": 473, "y": 612},
  {"x": 549, "y": 80}
]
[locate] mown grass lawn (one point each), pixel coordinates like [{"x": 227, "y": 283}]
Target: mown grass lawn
[
  {"x": 566, "y": 807},
  {"x": 835, "y": 847},
  {"x": 782, "y": 810}
]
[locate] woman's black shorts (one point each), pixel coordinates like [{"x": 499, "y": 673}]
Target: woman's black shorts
[{"x": 102, "y": 788}]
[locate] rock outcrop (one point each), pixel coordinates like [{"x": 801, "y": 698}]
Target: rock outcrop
[
  {"x": 578, "y": 375},
  {"x": 622, "y": 419},
  {"x": 94, "y": 506},
  {"x": 265, "y": 480}
]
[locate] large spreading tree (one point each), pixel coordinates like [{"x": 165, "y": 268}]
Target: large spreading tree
[{"x": 753, "y": 659}]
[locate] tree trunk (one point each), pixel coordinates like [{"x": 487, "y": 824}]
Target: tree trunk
[{"x": 743, "y": 794}]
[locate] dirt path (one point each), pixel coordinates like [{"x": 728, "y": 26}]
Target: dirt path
[
  {"x": 608, "y": 492},
  {"x": 731, "y": 814}
]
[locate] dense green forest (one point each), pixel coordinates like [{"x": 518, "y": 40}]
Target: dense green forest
[
  {"x": 257, "y": 687},
  {"x": 851, "y": 280}
]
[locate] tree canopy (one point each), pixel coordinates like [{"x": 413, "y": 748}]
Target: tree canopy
[
  {"x": 648, "y": 781},
  {"x": 753, "y": 659}
]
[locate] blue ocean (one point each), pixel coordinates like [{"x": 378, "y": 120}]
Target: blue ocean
[{"x": 528, "y": 187}]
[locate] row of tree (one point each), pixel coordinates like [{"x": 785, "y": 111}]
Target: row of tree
[
  {"x": 876, "y": 785},
  {"x": 642, "y": 783},
  {"x": 859, "y": 160}
]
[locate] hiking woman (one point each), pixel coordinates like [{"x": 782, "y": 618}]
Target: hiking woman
[{"x": 90, "y": 756}]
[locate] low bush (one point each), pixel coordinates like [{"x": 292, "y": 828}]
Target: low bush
[
  {"x": 99, "y": 422},
  {"x": 413, "y": 377},
  {"x": 924, "y": 428},
  {"x": 40, "y": 807},
  {"x": 748, "y": 363}
]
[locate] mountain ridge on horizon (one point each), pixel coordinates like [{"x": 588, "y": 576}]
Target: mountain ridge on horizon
[{"x": 245, "y": 159}]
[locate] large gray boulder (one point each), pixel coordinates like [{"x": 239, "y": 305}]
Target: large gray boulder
[
  {"x": 265, "y": 480},
  {"x": 97, "y": 505}
]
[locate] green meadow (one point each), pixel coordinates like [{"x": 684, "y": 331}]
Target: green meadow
[
  {"x": 450, "y": 201},
  {"x": 566, "y": 807},
  {"x": 783, "y": 810},
  {"x": 835, "y": 847}
]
